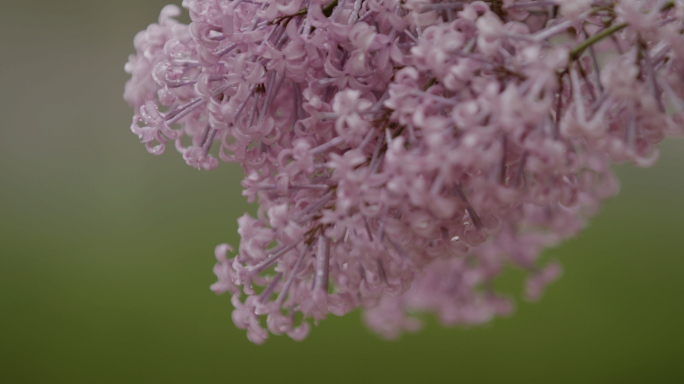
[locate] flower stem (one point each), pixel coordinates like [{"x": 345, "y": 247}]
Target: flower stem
[
  {"x": 328, "y": 9},
  {"x": 667, "y": 6},
  {"x": 577, "y": 51}
]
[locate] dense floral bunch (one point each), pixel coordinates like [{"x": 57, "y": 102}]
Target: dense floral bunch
[{"x": 404, "y": 152}]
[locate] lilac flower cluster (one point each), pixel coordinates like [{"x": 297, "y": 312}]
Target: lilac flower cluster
[{"x": 404, "y": 152}]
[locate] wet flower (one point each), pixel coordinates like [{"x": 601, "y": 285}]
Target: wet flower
[{"x": 404, "y": 153}]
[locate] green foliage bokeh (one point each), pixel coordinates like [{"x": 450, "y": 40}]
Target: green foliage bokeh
[{"x": 106, "y": 251}]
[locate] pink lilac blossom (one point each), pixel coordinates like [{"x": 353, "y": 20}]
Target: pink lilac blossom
[{"x": 404, "y": 152}]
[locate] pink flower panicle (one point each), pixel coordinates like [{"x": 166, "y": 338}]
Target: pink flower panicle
[{"x": 404, "y": 152}]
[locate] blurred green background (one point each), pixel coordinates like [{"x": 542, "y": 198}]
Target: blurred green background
[{"x": 106, "y": 251}]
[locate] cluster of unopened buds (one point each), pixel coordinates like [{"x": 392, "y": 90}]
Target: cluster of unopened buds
[{"x": 405, "y": 152}]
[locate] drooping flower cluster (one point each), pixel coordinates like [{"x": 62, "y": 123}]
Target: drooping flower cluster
[{"x": 404, "y": 152}]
